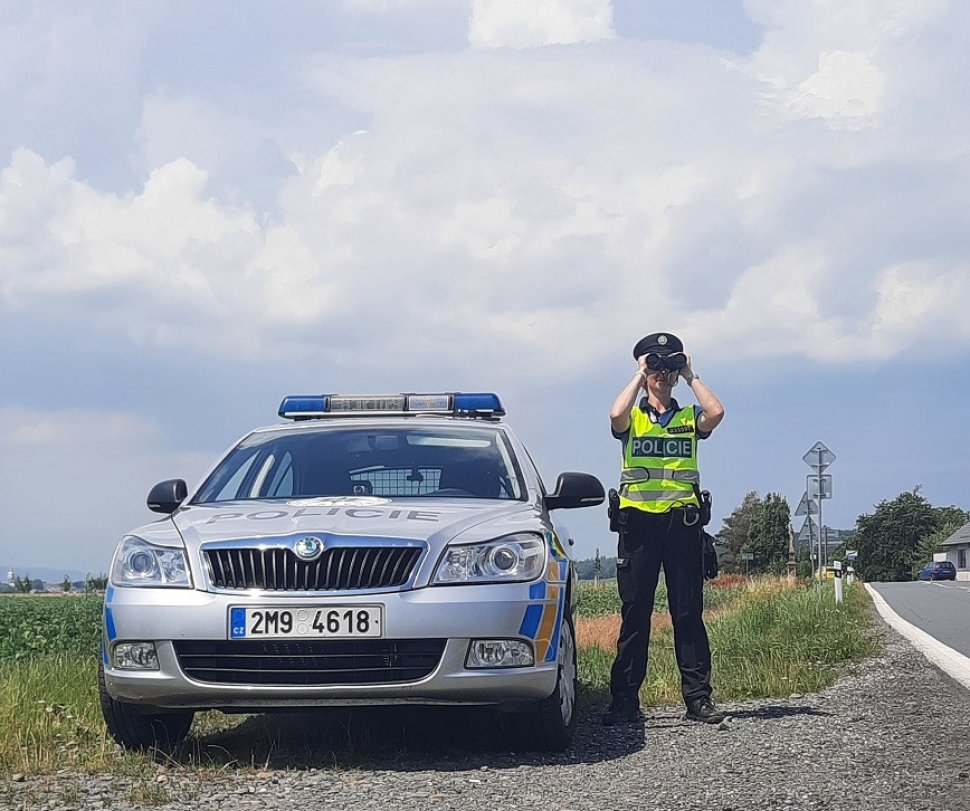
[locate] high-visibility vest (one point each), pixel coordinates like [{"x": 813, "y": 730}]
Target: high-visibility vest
[{"x": 660, "y": 463}]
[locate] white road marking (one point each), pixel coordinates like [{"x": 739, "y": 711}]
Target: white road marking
[
  {"x": 948, "y": 660},
  {"x": 950, "y": 585}
]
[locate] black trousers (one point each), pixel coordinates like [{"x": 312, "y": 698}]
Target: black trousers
[{"x": 649, "y": 542}]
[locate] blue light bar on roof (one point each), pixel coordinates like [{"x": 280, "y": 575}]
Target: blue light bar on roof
[
  {"x": 303, "y": 406},
  {"x": 316, "y": 406},
  {"x": 482, "y": 403}
]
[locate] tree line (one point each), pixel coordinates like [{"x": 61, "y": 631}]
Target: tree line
[
  {"x": 892, "y": 542},
  {"x": 29, "y": 585}
]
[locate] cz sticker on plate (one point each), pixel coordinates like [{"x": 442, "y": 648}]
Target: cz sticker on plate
[{"x": 333, "y": 622}]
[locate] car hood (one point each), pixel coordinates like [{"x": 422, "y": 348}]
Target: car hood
[{"x": 435, "y": 522}]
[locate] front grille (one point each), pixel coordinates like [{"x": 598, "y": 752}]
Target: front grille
[
  {"x": 337, "y": 569},
  {"x": 309, "y": 662}
]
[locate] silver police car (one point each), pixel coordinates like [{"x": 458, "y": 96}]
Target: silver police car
[{"x": 393, "y": 549}]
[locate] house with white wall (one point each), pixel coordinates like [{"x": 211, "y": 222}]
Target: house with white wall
[{"x": 957, "y": 551}]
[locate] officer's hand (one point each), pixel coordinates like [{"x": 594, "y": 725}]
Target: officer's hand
[
  {"x": 642, "y": 366},
  {"x": 687, "y": 372}
]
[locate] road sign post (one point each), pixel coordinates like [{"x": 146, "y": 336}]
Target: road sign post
[{"x": 819, "y": 457}]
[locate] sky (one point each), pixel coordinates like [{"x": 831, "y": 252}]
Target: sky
[{"x": 207, "y": 206}]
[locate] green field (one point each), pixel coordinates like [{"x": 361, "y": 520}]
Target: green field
[{"x": 33, "y": 625}]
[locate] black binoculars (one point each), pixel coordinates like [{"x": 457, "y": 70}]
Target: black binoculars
[{"x": 673, "y": 362}]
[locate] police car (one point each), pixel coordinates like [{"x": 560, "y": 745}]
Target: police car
[{"x": 394, "y": 549}]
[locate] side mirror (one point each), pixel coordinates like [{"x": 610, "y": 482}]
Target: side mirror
[
  {"x": 167, "y": 496},
  {"x": 576, "y": 490}
]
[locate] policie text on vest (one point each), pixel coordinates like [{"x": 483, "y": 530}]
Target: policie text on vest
[{"x": 662, "y": 447}]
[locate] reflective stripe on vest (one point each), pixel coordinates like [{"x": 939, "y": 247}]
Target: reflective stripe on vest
[
  {"x": 642, "y": 474},
  {"x": 648, "y": 495},
  {"x": 660, "y": 463}
]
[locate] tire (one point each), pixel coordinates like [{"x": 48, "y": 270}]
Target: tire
[
  {"x": 551, "y": 724},
  {"x": 137, "y": 726}
]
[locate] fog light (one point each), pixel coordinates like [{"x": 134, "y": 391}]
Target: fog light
[
  {"x": 500, "y": 653},
  {"x": 136, "y": 656}
]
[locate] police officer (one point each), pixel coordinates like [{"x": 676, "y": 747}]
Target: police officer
[{"x": 659, "y": 511}]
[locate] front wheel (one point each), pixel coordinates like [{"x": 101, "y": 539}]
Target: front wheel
[
  {"x": 550, "y": 727},
  {"x": 136, "y": 727}
]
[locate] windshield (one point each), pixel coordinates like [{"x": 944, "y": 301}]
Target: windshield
[{"x": 437, "y": 461}]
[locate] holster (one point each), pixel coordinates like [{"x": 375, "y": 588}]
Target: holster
[
  {"x": 710, "y": 556},
  {"x": 617, "y": 516},
  {"x": 705, "y": 500}
]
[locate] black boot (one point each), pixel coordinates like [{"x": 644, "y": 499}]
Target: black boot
[
  {"x": 705, "y": 710},
  {"x": 623, "y": 710}
]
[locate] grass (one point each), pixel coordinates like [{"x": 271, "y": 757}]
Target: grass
[
  {"x": 50, "y": 720},
  {"x": 769, "y": 638},
  {"x": 602, "y": 599},
  {"x": 50, "y": 715}
]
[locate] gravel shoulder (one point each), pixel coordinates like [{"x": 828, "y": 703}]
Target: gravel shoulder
[{"x": 892, "y": 735}]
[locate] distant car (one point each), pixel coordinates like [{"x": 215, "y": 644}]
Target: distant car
[
  {"x": 393, "y": 549},
  {"x": 938, "y": 570}
]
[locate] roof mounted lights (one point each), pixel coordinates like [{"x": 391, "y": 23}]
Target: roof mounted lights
[{"x": 456, "y": 404}]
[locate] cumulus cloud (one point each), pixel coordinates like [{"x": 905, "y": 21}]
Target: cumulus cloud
[
  {"x": 834, "y": 61},
  {"x": 514, "y": 24},
  {"x": 846, "y": 91},
  {"x": 519, "y": 198},
  {"x": 402, "y": 190}
]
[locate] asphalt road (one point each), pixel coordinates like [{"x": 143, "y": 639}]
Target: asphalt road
[{"x": 940, "y": 608}]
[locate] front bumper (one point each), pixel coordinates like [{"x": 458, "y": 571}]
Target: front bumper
[{"x": 454, "y": 614}]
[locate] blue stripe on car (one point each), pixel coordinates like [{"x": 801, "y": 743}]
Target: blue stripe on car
[
  {"x": 109, "y": 625},
  {"x": 530, "y": 622}
]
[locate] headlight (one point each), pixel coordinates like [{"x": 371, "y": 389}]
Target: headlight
[
  {"x": 511, "y": 559},
  {"x": 139, "y": 563}
]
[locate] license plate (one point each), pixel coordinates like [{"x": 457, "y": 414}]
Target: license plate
[{"x": 333, "y": 622}]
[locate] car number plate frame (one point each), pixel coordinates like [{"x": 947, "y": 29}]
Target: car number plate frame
[{"x": 307, "y": 622}]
